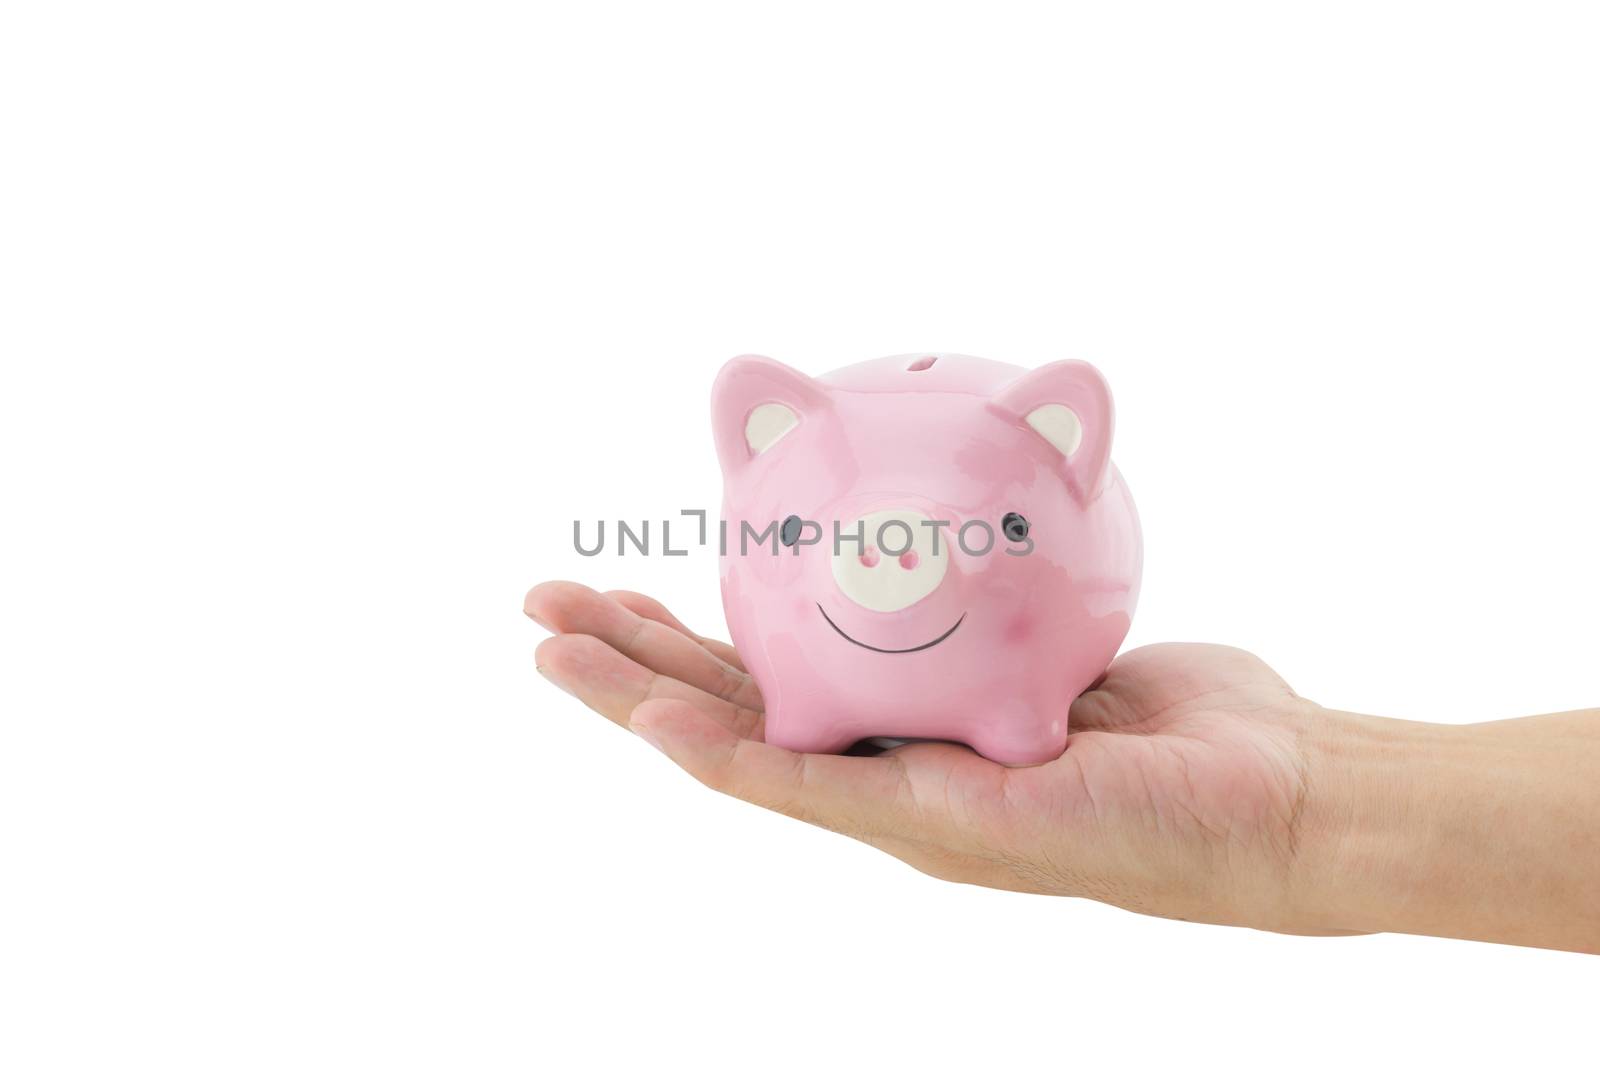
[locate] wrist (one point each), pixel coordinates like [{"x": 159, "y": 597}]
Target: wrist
[
  {"x": 1485, "y": 831},
  {"x": 1369, "y": 839}
]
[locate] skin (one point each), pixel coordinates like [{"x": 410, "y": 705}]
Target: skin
[{"x": 1196, "y": 785}]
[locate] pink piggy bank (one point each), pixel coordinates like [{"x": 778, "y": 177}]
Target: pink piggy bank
[{"x": 923, "y": 547}]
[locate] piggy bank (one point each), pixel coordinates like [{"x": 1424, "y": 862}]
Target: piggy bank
[{"x": 923, "y": 547}]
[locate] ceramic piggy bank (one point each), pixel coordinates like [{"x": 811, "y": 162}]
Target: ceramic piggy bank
[{"x": 923, "y": 547}]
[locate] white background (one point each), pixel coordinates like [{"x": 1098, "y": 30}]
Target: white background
[{"x": 321, "y": 322}]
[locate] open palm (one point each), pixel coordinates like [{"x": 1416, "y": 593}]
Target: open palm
[{"x": 1178, "y": 793}]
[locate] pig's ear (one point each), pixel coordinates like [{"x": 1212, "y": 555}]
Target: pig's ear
[
  {"x": 1067, "y": 404},
  {"x": 755, "y": 402}
]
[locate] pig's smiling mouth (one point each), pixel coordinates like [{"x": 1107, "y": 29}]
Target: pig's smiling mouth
[{"x": 874, "y": 648}]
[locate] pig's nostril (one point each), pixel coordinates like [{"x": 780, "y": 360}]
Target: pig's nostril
[{"x": 866, "y": 575}]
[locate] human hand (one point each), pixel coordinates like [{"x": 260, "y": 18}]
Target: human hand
[{"x": 1181, "y": 792}]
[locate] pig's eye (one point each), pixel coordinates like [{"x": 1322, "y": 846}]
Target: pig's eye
[
  {"x": 789, "y": 532},
  {"x": 1014, "y": 526}
]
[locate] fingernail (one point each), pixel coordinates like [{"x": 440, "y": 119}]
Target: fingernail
[
  {"x": 536, "y": 617},
  {"x": 648, "y": 736}
]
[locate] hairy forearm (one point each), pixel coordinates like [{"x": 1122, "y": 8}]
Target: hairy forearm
[{"x": 1489, "y": 831}]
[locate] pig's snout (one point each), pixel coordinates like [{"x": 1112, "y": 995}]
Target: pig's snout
[{"x": 899, "y": 557}]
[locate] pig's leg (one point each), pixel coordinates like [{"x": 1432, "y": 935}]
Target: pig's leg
[
  {"x": 1019, "y": 744},
  {"x": 806, "y": 733}
]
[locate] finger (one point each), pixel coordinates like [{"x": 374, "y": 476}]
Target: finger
[
  {"x": 650, "y": 608},
  {"x": 567, "y": 607},
  {"x": 865, "y": 797},
  {"x": 615, "y": 685}
]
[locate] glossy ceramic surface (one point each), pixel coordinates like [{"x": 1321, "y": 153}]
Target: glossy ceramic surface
[{"x": 951, "y": 638}]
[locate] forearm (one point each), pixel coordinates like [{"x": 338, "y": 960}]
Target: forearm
[{"x": 1489, "y": 832}]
